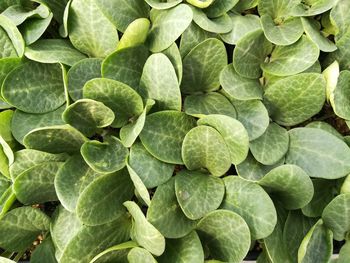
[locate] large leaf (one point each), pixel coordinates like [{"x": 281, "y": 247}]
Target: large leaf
[
  {"x": 40, "y": 91},
  {"x": 198, "y": 193},
  {"x": 204, "y": 147},
  {"x": 319, "y": 153},
  {"x": 102, "y": 201},
  {"x": 290, "y": 185},
  {"x": 164, "y": 133},
  {"x": 241, "y": 196},
  {"x": 225, "y": 234},
  {"x": 202, "y": 67},
  {"x": 295, "y": 99},
  {"x": 167, "y": 26}
]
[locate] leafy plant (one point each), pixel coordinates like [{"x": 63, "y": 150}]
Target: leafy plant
[{"x": 174, "y": 130}]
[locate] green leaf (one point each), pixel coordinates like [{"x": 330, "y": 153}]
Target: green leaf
[
  {"x": 40, "y": 91},
  {"x": 90, "y": 241},
  {"x": 254, "y": 117},
  {"x": 204, "y": 147},
  {"x": 202, "y": 66},
  {"x": 304, "y": 54},
  {"x": 164, "y": 133},
  {"x": 340, "y": 18},
  {"x": 105, "y": 157},
  {"x": 139, "y": 254},
  {"x": 45, "y": 250},
  {"x": 126, "y": 65},
  {"x": 199, "y": 105},
  {"x": 319, "y": 153},
  {"x": 167, "y": 26},
  {"x": 284, "y": 33},
  {"x": 56, "y": 6},
  {"x": 80, "y": 73},
  {"x": 53, "y": 51},
  {"x": 6, "y": 66},
  {"x": 250, "y": 51},
  {"x": 21, "y": 226},
  {"x": 90, "y": 31},
  {"x": 139, "y": 186},
  {"x": 341, "y": 55},
  {"x": 290, "y": 185},
  {"x": 118, "y": 252},
  {"x": 221, "y": 24},
  {"x": 276, "y": 8},
  {"x": 200, "y": 3},
  {"x": 225, "y": 234},
  {"x": 125, "y": 102},
  {"x": 242, "y": 25},
  {"x": 143, "y": 232},
  {"x": 326, "y": 127},
  {"x": 171, "y": 222},
  {"x": 159, "y": 82},
  {"x": 123, "y": 12},
  {"x": 313, "y": 7},
  {"x": 88, "y": 116},
  {"x": 8, "y": 50},
  {"x": 219, "y": 8},
  {"x": 238, "y": 87},
  {"x": 241, "y": 196},
  {"x": 5, "y": 127},
  {"x": 63, "y": 30},
  {"x": 135, "y": 34},
  {"x": 336, "y": 216},
  {"x": 33, "y": 29},
  {"x": 72, "y": 179},
  {"x": 295, "y": 99},
  {"x": 102, "y": 201},
  {"x": 344, "y": 253},
  {"x": 198, "y": 193},
  {"x": 151, "y": 171},
  {"x": 270, "y": 147},
  {"x": 339, "y": 98},
  {"x": 13, "y": 34},
  {"x": 317, "y": 245},
  {"x": 312, "y": 30},
  {"x": 55, "y": 139},
  {"x": 173, "y": 53},
  {"x": 185, "y": 249},
  {"x": 160, "y": 4},
  {"x": 36, "y": 185}
]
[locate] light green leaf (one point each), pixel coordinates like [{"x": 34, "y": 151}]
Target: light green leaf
[
  {"x": 90, "y": 31},
  {"x": 238, "y": 87},
  {"x": 151, "y": 171},
  {"x": 125, "y": 102},
  {"x": 199, "y": 105},
  {"x": 173, "y": 53},
  {"x": 102, "y": 201},
  {"x": 290, "y": 185},
  {"x": 331, "y": 75},
  {"x": 123, "y": 12},
  {"x": 55, "y": 139},
  {"x": 33, "y": 29},
  {"x": 167, "y": 26},
  {"x": 5, "y": 128},
  {"x": 44, "y": 250},
  {"x": 139, "y": 186},
  {"x": 40, "y": 91},
  {"x": 336, "y": 216},
  {"x": 140, "y": 255},
  {"x": 204, "y": 148},
  {"x": 242, "y": 25},
  {"x": 135, "y": 34},
  {"x": 219, "y": 8},
  {"x": 159, "y": 82},
  {"x": 164, "y": 133},
  {"x": 317, "y": 245},
  {"x": 202, "y": 67},
  {"x": 53, "y": 51},
  {"x": 284, "y": 33},
  {"x": 21, "y": 226},
  {"x": 270, "y": 147},
  {"x": 126, "y": 65},
  {"x": 118, "y": 252},
  {"x": 344, "y": 254},
  {"x": 340, "y": 17},
  {"x": 13, "y": 34},
  {"x": 341, "y": 55},
  {"x": 340, "y": 96},
  {"x": 241, "y": 196},
  {"x": 185, "y": 249},
  {"x": 221, "y": 24},
  {"x": 276, "y": 8},
  {"x": 319, "y": 153},
  {"x": 313, "y": 7},
  {"x": 88, "y": 115},
  {"x": 233, "y": 133},
  {"x": 63, "y": 30},
  {"x": 198, "y": 193},
  {"x": 36, "y": 185},
  {"x": 71, "y": 180},
  {"x": 161, "y": 4},
  {"x": 225, "y": 234},
  {"x": 200, "y": 3},
  {"x": 172, "y": 222},
  {"x": 56, "y": 6},
  {"x": 143, "y": 232},
  {"x": 295, "y": 99},
  {"x": 8, "y": 50},
  {"x": 292, "y": 59},
  {"x": 326, "y": 127},
  {"x": 105, "y": 157}
]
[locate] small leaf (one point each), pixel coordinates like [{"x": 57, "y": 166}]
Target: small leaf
[
  {"x": 221, "y": 24},
  {"x": 135, "y": 34},
  {"x": 160, "y": 4},
  {"x": 139, "y": 186}
]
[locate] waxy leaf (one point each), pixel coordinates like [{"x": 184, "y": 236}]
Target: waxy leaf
[
  {"x": 225, "y": 234},
  {"x": 241, "y": 196},
  {"x": 13, "y": 33},
  {"x": 139, "y": 186},
  {"x": 339, "y": 97},
  {"x": 139, "y": 254},
  {"x": 219, "y": 8},
  {"x": 102, "y": 201},
  {"x": 173, "y": 53},
  {"x": 135, "y": 34},
  {"x": 205, "y": 148},
  {"x": 313, "y": 7},
  {"x": 221, "y": 24},
  {"x": 200, "y": 3},
  {"x": 319, "y": 153}
]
